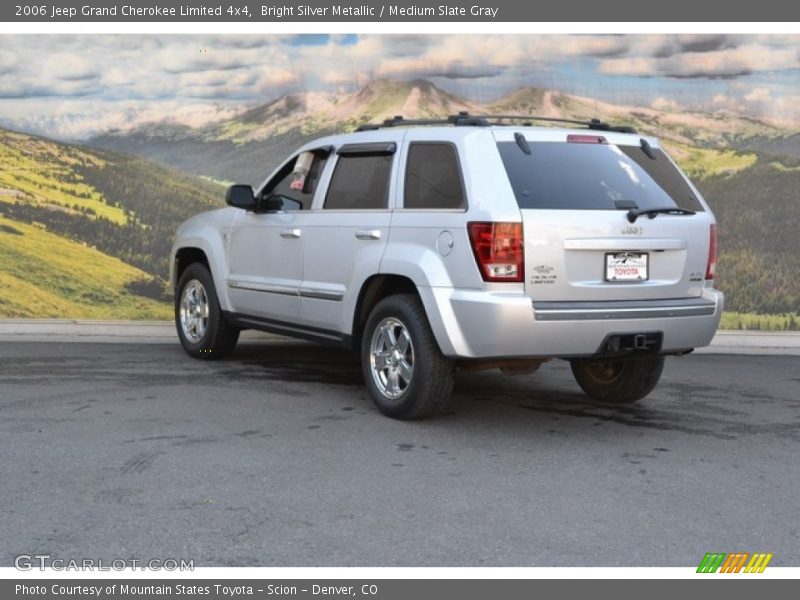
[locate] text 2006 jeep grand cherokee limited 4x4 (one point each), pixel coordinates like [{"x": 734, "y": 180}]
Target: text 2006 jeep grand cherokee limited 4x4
[{"x": 468, "y": 242}]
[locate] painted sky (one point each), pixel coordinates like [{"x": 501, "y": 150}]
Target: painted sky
[{"x": 74, "y": 86}]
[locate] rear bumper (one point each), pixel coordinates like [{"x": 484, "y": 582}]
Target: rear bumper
[{"x": 480, "y": 324}]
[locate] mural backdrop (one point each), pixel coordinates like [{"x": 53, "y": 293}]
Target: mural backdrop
[{"x": 108, "y": 142}]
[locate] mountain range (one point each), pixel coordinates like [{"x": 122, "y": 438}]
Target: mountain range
[{"x": 246, "y": 147}]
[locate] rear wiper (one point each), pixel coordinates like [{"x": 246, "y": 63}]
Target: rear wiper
[{"x": 635, "y": 213}]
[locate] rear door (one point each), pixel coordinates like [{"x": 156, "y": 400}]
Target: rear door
[
  {"x": 575, "y": 191},
  {"x": 346, "y": 233}
]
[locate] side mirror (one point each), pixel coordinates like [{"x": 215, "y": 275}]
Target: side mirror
[{"x": 241, "y": 196}]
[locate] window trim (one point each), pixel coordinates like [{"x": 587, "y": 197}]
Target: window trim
[
  {"x": 368, "y": 148},
  {"x": 454, "y": 146}
]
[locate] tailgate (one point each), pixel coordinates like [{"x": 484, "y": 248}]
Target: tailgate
[
  {"x": 587, "y": 236},
  {"x": 572, "y": 255}
]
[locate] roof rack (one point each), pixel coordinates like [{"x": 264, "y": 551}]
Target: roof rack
[{"x": 465, "y": 119}]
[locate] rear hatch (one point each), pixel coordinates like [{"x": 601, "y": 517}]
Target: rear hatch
[{"x": 576, "y": 193}]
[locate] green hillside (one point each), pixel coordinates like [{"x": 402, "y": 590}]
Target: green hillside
[
  {"x": 758, "y": 212},
  {"x": 44, "y": 275},
  {"x": 43, "y": 174},
  {"x": 86, "y": 233}
]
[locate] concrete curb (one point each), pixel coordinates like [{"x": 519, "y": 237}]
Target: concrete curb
[
  {"x": 163, "y": 332},
  {"x": 119, "y": 332},
  {"x": 754, "y": 342}
]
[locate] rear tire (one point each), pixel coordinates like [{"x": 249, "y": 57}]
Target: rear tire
[
  {"x": 202, "y": 328},
  {"x": 406, "y": 374},
  {"x": 620, "y": 381}
]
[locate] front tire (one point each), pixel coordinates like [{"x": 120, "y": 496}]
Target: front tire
[
  {"x": 202, "y": 328},
  {"x": 406, "y": 374},
  {"x": 617, "y": 381}
]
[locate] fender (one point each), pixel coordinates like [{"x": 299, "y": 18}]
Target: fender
[
  {"x": 426, "y": 269},
  {"x": 210, "y": 236}
]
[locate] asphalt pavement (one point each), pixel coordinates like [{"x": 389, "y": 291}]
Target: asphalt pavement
[{"x": 276, "y": 457}]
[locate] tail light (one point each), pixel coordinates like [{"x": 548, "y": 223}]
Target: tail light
[
  {"x": 499, "y": 250},
  {"x": 711, "y": 267}
]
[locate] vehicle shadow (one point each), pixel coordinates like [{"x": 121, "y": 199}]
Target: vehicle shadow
[
  {"x": 550, "y": 395},
  {"x": 309, "y": 363}
]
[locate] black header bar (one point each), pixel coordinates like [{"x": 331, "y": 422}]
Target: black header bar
[{"x": 320, "y": 11}]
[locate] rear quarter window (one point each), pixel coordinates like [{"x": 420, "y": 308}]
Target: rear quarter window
[{"x": 433, "y": 177}]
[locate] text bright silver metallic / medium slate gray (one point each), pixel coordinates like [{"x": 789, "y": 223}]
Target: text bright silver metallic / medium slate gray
[{"x": 464, "y": 246}]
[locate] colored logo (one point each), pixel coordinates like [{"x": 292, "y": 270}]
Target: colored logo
[{"x": 737, "y": 562}]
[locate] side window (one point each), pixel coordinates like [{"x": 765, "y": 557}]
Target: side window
[
  {"x": 360, "y": 181},
  {"x": 297, "y": 181},
  {"x": 433, "y": 177}
]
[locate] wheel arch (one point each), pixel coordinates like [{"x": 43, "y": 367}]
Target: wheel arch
[
  {"x": 381, "y": 285},
  {"x": 183, "y": 258},
  {"x": 210, "y": 253},
  {"x": 374, "y": 289}
]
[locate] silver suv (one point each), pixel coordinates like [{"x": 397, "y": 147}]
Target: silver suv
[{"x": 464, "y": 243}]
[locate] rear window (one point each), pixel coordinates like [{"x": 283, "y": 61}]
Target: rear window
[{"x": 594, "y": 177}]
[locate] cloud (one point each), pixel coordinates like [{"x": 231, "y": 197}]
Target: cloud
[
  {"x": 665, "y": 104},
  {"x": 723, "y": 102},
  {"x": 167, "y": 72},
  {"x": 422, "y": 67},
  {"x": 596, "y": 46},
  {"x": 711, "y": 64},
  {"x": 68, "y": 67},
  {"x": 85, "y": 120},
  {"x": 11, "y": 87},
  {"x": 759, "y": 94},
  {"x": 8, "y": 61},
  {"x": 338, "y": 77},
  {"x": 703, "y": 43}
]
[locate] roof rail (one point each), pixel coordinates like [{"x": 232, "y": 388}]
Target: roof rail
[
  {"x": 465, "y": 119},
  {"x": 596, "y": 124},
  {"x": 462, "y": 118}
]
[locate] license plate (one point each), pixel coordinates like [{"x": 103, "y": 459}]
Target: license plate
[{"x": 627, "y": 266}]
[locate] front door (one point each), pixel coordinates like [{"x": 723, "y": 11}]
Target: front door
[{"x": 266, "y": 248}]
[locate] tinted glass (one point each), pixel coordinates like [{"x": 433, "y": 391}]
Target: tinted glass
[
  {"x": 594, "y": 176},
  {"x": 296, "y": 199},
  {"x": 360, "y": 182},
  {"x": 433, "y": 177}
]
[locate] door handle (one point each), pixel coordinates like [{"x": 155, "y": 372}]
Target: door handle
[
  {"x": 368, "y": 234},
  {"x": 291, "y": 234}
]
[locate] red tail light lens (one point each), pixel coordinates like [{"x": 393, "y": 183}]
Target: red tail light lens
[
  {"x": 499, "y": 250},
  {"x": 711, "y": 267}
]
